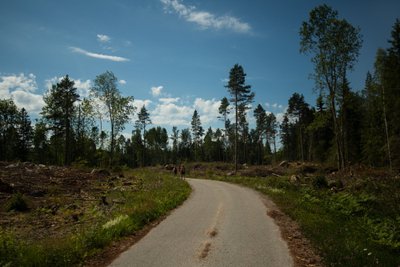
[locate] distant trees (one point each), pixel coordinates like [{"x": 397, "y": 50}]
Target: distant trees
[
  {"x": 15, "y": 131},
  {"x": 335, "y": 46},
  {"x": 271, "y": 130},
  {"x": 261, "y": 124},
  {"x": 300, "y": 114},
  {"x": 141, "y": 122},
  {"x": 241, "y": 96}
]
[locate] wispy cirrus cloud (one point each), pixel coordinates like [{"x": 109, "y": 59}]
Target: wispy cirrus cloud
[
  {"x": 96, "y": 55},
  {"x": 206, "y": 19}
]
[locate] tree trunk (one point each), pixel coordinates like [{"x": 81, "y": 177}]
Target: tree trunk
[
  {"x": 112, "y": 142},
  {"x": 301, "y": 144},
  {"x": 236, "y": 130},
  {"x": 337, "y": 135},
  {"x": 274, "y": 138},
  {"x": 144, "y": 146},
  {"x": 386, "y": 128}
]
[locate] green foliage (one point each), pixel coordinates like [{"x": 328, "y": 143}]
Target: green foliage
[
  {"x": 385, "y": 231},
  {"x": 17, "y": 203}
]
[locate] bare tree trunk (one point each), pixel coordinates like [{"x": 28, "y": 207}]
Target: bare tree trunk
[
  {"x": 274, "y": 148},
  {"x": 236, "y": 130},
  {"x": 301, "y": 144},
  {"x": 337, "y": 135},
  {"x": 112, "y": 142},
  {"x": 386, "y": 128}
]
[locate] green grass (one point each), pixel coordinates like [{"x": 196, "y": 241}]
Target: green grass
[
  {"x": 157, "y": 194},
  {"x": 359, "y": 226}
]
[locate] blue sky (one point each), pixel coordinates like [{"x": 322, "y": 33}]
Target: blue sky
[{"x": 174, "y": 55}]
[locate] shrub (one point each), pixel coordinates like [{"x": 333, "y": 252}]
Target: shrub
[
  {"x": 319, "y": 182},
  {"x": 17, "y": 202}
]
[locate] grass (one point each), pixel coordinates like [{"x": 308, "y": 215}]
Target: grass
[
  {"x": 357, "y": 226},
  {"x": 157, "y": 194}
]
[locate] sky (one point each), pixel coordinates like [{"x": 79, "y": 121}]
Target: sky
[{"x": 174, "y": 56}]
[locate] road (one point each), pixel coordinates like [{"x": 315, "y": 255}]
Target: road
[{"x": 219, "y": 225}]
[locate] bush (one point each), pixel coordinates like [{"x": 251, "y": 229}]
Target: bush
[
  {"x": 319, "y": 182},
  {"x": 17, "y": 202}
]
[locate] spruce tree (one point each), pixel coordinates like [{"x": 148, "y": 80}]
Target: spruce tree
[{"x": 59, "y": 112}]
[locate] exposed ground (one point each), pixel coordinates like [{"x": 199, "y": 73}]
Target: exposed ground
[{"x": 59, "y": 200}]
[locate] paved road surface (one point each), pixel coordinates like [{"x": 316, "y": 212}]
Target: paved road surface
[{"x": 219, "y": 225}]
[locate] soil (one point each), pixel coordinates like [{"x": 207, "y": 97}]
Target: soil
[
  {"x": 60, "y": 200},
  {"x": 301, "y": 249}
]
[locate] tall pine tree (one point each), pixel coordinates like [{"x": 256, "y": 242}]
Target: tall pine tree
[{"x": 241, "y": 95}]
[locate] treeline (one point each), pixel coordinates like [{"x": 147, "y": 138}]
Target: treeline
[{"x": 345, "y": 127}]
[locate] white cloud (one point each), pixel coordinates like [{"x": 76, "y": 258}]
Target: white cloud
[
  {"x": 172, "y": 114},
  {"x": 169, "y": 100},
  {"x": 140, "y": 103},
  {"x": 156, "y": 90},
  {"x": 31, "y": 102},
  {"x": 103, "y": 38},
  {"x": 279, "y": 117},
  {"x": 122, "y": 82},
  {"x": 96, "y": 55},
  {"x": 21, "y": 89},
  {"x": 206, "y": 19},
  {"x": 83, "y": 87},
  {"x": 17, "y": 82},
  {"x": 208, "y": 109}
]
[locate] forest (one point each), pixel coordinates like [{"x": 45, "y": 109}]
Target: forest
[{"x": 344, "y": 127}]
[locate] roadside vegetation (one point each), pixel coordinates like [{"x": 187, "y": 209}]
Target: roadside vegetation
[
  {"x": 64, "y": 229},
  {"x": 351, "y": 217}
]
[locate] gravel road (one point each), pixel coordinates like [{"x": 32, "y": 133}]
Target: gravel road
[{"x": 219, "y": 225}]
